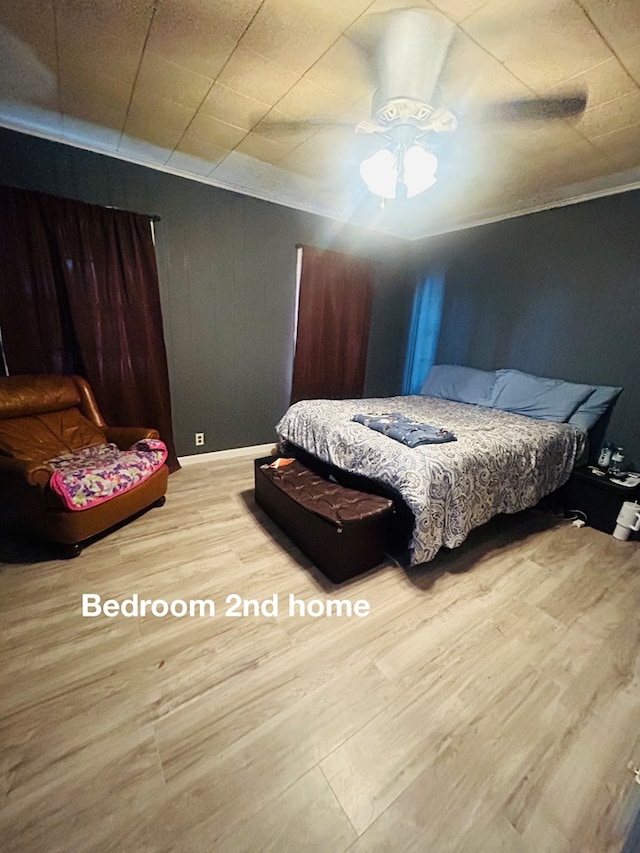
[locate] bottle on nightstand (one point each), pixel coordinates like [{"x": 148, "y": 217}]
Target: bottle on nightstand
[
  {"x": 617, "y": 459},
  {"x": 606, "y": 452}
]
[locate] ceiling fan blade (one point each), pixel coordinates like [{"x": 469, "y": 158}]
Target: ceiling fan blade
[
  {"x": 410, "y": 52},
  {"x": 535, "y": 109},
  {"x": 302, "y": 125}
]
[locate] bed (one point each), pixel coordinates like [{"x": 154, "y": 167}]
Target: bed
[{"x": 501, "y": 461}]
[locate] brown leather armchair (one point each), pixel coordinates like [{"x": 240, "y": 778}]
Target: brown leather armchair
[{"x": 42, "y": 417}]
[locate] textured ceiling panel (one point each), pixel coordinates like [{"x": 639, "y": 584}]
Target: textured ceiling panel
[
  {"x": 106, "y": 34},
  {"x": 617, "y": 20},
  {"x": 553, "y": 40},
  {"x": 262, "y": 148},
  {"x": 157, "y": 120},
  {"x": 222, "y": 91},
  {"x": 343, "y": 71},
  {"x": 458, "y": 10},
  {"x": 159, "y": 77},
  {"x": 207, "y": 151},
  {"x": 604, "y": 82},
  {"x": 30, "y": 23},
  {"x": 307, "y": 39},
  {"x": 621, "y": 146},
  {"x": 105, "y": 103},
  {"x": 259, "y": 78},
  {"x": 618, "y": 113},
  {"x": 219, "y": 132},
  {"x": 471, "y": 77},
  {"x": 225, "y": 104},
  {"x": 276, "y": 125},
  {"x": 311, "y": 28},
  {"x": 324, "y": 154},
  {"x": 28, "y": 62},
  {"x": 631, "y": 61},
  {"x": 200, "y": 34},
  {"x": 193, "y": 164},
  {"x": 297, "y": 100}
]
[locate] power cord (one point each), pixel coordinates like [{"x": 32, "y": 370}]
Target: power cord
[{"x": 574, "y": 516}]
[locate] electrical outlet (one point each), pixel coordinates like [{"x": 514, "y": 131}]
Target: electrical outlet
[{"x": 199, "y": 439}]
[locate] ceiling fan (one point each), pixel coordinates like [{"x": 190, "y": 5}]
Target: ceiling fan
[{"x": 407, "y": 50}]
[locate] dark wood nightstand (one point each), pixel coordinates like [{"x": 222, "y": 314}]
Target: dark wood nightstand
[{"x": 598, "y": 498}]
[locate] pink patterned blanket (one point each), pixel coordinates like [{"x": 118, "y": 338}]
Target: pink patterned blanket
[{"x": 90, "y": 476}]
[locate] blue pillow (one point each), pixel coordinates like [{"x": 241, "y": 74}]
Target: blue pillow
[
  {"x": 591, "y": 410},
  {"x": 462, "y": 384},
  {"x": 537, "y": 397}
]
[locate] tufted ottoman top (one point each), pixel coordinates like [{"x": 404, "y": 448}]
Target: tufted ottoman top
[{"x": 325, "y": 498}]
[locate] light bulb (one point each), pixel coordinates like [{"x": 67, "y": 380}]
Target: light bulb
[
  {"x": 419, "y": 170},
  {"x": 380, "y": 173}
]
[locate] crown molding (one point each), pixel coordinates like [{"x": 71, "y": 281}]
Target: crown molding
[{"x": 587, "y": 191}]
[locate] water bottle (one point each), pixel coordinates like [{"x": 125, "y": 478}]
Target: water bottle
[
  {"x": 617, "y": 458},
  {"x": 606, "y": 452}
]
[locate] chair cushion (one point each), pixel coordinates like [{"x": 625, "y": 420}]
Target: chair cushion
[{"x": 41, "y": 437}]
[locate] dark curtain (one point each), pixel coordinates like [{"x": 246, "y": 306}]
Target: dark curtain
[
  {"x": 334, "y": 313},
  {"x": 80, "y": 294}
]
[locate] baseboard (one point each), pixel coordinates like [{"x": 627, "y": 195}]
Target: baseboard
[{"x": 235, "y": 452}]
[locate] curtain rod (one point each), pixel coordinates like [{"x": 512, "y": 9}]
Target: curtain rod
[{"x": 154, "y": 217}]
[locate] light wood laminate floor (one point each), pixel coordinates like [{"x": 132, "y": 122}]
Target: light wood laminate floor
[{"x": 489, "y": 702}]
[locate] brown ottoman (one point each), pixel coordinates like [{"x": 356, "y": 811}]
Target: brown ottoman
[{"x": 342, "y": 530}]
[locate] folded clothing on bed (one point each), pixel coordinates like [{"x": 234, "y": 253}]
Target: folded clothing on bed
[{"x": 397, "y": 426}]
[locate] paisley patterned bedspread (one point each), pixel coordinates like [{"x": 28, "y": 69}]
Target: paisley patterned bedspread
[{"x": 501, "y": 462}]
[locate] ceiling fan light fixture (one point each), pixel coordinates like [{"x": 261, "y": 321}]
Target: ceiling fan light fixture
[
  {"x": 380, "y": 173},
  {"x": 414, "y": 167},
  {"x": 419, "y": 170}
]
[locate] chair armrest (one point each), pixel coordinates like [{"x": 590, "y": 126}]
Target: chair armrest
[
  {"x": 33, "y": 473},
  {"x": 124, "y": 437}
]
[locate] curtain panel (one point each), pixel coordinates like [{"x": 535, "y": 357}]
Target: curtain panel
[
  {"x": 80, "y": 295},
  {"x": 425, "y": 328},
  {"x": 334, "y": 313}
]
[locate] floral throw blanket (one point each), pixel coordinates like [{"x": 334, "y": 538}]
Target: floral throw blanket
[{"x": 90, "y": 476}]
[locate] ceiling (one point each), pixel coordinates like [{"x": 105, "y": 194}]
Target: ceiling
[{"x": 192, "y": 86}]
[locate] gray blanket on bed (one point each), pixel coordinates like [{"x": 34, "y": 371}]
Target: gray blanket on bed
[{"x": 400, "y": 428}]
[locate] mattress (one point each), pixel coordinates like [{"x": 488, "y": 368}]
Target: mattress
[{"x": 499, "y": 463}]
